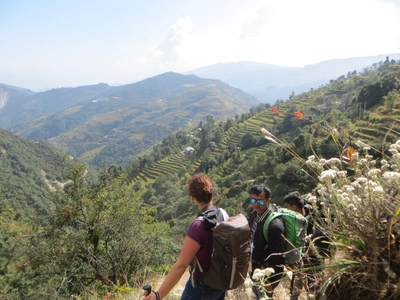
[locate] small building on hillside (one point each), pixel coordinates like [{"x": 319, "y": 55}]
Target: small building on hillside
[{"x": 188, "y": 150}]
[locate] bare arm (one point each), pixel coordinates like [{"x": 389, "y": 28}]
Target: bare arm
[{"x": 188, "y": 252}]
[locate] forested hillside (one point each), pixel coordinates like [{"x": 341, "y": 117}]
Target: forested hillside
[
  {"x": 111, "y": 125},
  {"x": 322, "y": 122},
  {"x": 29, "y": 172},
  {"x": 108, "y": 233}
]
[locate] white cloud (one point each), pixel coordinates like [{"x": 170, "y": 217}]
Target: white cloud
[
  {"x": 177, "y": 34},
  {"x": 288, "y": 32}
]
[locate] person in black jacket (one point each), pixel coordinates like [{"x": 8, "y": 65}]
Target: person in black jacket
[{"x": 266, "y": 255}]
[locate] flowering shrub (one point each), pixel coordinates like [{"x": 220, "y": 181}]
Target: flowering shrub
[
  {"x": 259, "y": 274},
  {"x": 358, "y": 204},
  {"x": 357, "y": 196}
]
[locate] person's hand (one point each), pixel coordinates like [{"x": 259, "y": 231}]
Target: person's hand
[
  {"x": 149, "y": 297},
  {"x": 152, "y": 296}
]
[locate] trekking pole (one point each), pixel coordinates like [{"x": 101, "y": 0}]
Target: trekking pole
[{"x": 147, "y": 289}]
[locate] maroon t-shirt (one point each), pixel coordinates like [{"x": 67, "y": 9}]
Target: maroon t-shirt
[{"x": 202, "y": 236}]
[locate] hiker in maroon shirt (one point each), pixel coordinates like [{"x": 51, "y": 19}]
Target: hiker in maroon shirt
[{"x": 198, "y": 243}]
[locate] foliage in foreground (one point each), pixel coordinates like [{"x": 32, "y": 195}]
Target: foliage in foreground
[
  {"x": 358, "y": 196},
  {"x": 97, "y": 237}
]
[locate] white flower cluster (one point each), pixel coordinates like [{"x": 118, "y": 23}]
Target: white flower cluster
[
  {"x": 333, "y": 162},
  {"x": 260, "y": 274},
  {"x": 327, "y": 175},
  {"x": 392, "y": 177},
  {"x": 312, "y": 198},
  {"x": 370, "y": 182},
  {"x": 248, "y": 283},
  {"x": 316, "y": 164},
  {"x": 395, "y": 145}
]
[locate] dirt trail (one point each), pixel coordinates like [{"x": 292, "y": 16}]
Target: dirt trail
[{"x": 238, "y": 294}]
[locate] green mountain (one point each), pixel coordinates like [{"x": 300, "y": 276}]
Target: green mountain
[
  {"x": 113, "y": 125},
  {"x": 22, "y": 105},
  {"x": 29, "y": 173}
]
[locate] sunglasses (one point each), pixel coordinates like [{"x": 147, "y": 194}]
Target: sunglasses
[{"x": 260, "y": 202}]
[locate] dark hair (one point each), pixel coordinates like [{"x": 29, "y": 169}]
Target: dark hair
[
  {"x": 294, "y": 198},
  {"x": 200, "y": 187},
  {"x": 259, "y": 188}
]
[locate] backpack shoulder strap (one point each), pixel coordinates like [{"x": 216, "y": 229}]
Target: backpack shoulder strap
[
  {"x": 212, "y": 217},
  {"x": 209, "y": 217},
  {"x": 197, "y": 263},
  {"x": 223, "y": 215},
  {"x": 272, "y": 216}
]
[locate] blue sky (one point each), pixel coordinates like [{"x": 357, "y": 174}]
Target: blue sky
[{"x": 66, "y": 43}]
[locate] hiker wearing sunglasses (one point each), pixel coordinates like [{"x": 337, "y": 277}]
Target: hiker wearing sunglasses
[
  {"x": 266, "y": 254},
  {"x": 197, "y": 244}
]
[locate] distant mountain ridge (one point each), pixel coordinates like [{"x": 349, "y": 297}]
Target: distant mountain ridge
[
  {"x": 248, "y": 76},
  {"x": 95, "y": 122},
  {"x": 24, "y": 105},
  {"x": 269, "y": 83}
]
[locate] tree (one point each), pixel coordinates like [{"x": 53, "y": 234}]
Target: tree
[
  {"x": 373, "y": 93},
  {"x": 206, "y": 137},
  {"x": 218, "y": 135},
  {"x": 211, "y": 120},
  {"x": 97, "y": 235},
  {"x": 253, "y": 111},
  {"x": 248, "y": 141},
  {"x": 390, "y": 99},
  {"x": 229, "y": 123}
]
